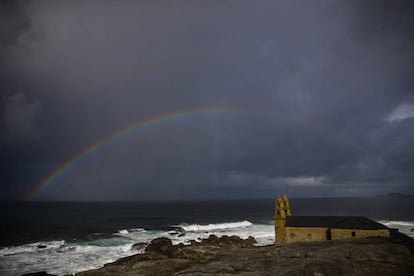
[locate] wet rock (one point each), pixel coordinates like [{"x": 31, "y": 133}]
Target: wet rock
[
  {"x": 229, "y": 241},
  {"x": 161, "y": 246},
  {"x": 233, "y": 255},
  {"x": 41, "y": 246},
  {"x": 212, "y": 239},
  {"x": 140, "y": 246},
  {"x": 40, "y": 273}
]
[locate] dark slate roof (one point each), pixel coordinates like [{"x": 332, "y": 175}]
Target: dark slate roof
[{"x": 334, "y": 222}]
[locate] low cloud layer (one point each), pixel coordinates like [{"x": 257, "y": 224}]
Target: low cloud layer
[{"x": 316, "y": 98}]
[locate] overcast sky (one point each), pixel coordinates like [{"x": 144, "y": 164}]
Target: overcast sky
[{"x": 317, "y": 98}]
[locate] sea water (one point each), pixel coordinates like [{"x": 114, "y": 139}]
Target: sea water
[{"x": 68, "y": 237}]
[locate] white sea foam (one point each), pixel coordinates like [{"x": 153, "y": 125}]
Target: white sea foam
[
  {"x": 263, "y": 233},
  {"x": 217, "y": 226},
  {"x": 405, "y": 227},
  {"x": 394, "y": 222},
  {"x": 137, "y": 230},
  {"x": 60, "y": 257},
  {"x": 31, "y": 247},
  {"x": 63, "y": 258},
  {"x": 127, "y": 231},
  {"x": 68, "y": 258}
]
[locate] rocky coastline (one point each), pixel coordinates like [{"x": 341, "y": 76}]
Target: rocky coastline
[{"x": 231, "y": 255}]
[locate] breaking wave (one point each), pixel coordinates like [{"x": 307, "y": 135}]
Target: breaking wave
[
  {"x": 66, "y": 257},
  {"x": 405, "y": 227},
  {"x": 217, "y": 226},
  {"x": 31, "y": 247}
]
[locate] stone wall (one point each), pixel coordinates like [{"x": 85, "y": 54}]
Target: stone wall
[
  {"x": 280, "y": 234},
  {"x": 341, "y": 234},
  {"x": 295, "y": 234}
]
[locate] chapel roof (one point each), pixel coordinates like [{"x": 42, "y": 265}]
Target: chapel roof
[{"x": 338, "y": 222}]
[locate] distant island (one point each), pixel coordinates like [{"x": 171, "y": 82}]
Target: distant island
[{"x": 396, "y": 195}]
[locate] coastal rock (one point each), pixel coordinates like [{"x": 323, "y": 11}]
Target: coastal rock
[
  {"x": 233, "y": 255},
  {"x": 41, "y": 273},
  {"x": 160, "y": 245},
  {"x": 229, "y": 241},
  {"x": 140, "y": 246}
]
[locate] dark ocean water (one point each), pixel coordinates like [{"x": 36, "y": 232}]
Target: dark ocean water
[
  {"x": 23, "y": 222},
  {"x": 65, "y": 237},
  {"x": 32, "y": 221}
]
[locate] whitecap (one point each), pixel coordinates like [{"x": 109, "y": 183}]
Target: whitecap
[
  {"x": 396, "y": 222},
  {"x": 31, "y": 247},
  {"x": 405, "y": 227},
  {"x": 142, "y": 230},
  {"x": 216, "y": 226}
]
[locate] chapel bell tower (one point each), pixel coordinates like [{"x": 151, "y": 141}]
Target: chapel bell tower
[{"x": 282, "y": 210}]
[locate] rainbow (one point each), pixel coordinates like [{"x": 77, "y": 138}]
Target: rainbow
[{"x": 112, "y": 137}]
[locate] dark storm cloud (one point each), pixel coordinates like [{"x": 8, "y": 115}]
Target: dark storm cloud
[
  {"x": 20, "y": 114},
  {"x": 14, "y": 21},
  {"x": 323, "y": 90}
]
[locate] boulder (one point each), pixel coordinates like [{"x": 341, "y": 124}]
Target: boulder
[
  {"x": 161, "y": 246},
  {"x": 140, "y": 246}
]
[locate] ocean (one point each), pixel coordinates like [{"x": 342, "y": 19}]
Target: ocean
[{"x": 68, "y": 237}]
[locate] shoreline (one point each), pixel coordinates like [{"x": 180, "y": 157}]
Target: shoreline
[{"x": 232, "y": 255}]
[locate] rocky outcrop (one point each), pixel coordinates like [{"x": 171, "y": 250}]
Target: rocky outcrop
[
  {"x": 233, "y": 255},
  {"x": 41, "y": 273},
  {"x": 139, "y": 247}
]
